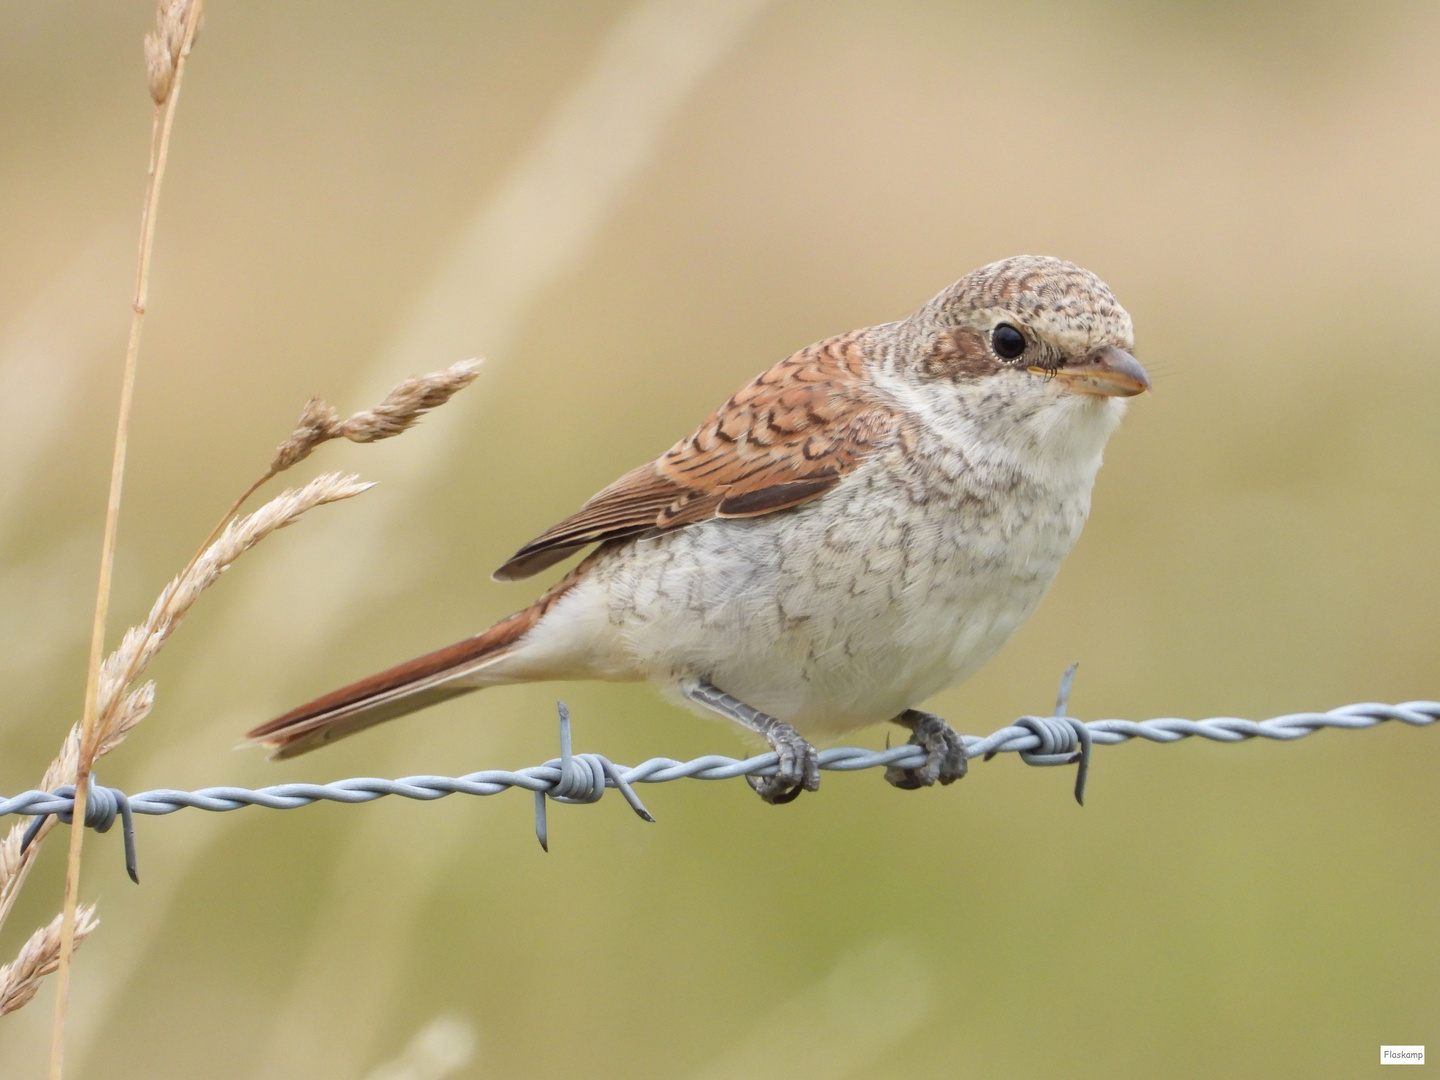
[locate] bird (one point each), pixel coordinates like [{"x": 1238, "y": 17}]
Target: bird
[{"x": 857, "y": 528}]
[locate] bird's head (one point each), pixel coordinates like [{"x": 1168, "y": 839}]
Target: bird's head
[
  {"x": 1031, "y": 321},
  {"x": 1028, "y": 344}
]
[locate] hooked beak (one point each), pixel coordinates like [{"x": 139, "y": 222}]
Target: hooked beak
[{"x": 1106, "y": 372}]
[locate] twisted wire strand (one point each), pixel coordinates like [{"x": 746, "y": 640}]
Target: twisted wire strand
[{"x": 583, "y": 778}]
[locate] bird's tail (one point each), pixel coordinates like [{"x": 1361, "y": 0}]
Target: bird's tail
[{"x": 417, "y": 684}]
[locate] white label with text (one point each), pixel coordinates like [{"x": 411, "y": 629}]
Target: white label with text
[{"x": 1402, "y": 1055}]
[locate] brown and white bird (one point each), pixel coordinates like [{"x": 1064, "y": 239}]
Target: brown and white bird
[{"x": 859, "y": 527}]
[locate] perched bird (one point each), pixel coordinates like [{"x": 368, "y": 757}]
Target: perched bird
[{"x": 859, "y": 527}]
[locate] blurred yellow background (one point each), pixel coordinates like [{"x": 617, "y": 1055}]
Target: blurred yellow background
[{"x": 630, "y": 207}]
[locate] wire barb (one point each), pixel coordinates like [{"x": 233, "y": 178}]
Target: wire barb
[
  {"x": 1057, "y": 738},
  {"x": 582, "y": 779},
  {"x": 101, "y": 806}
]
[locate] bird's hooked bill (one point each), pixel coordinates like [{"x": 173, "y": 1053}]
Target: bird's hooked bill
[{"x": 1107, "y": 372}]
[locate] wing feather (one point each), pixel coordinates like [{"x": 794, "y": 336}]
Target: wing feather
[{"x": 786, "y": 438}]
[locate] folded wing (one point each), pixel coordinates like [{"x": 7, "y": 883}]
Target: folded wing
[{"x": 787, "y": 437}]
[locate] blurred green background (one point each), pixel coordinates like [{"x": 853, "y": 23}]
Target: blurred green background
[{"x": 630, "y": 208}]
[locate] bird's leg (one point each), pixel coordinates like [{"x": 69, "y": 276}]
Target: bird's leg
[
  {"x": 945, "y": 751},
  {"x": 799, "y": 769}
]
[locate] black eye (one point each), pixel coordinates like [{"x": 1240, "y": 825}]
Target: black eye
[{"x": 1007, "y": 342}]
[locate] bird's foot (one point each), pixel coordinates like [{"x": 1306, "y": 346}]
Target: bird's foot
[
  {"x": 798, "y": 769},
  {"x": 799, "y": 766},
  {"x": 944, "y": 749}
]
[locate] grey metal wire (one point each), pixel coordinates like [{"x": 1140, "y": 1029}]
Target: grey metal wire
[{"x": 583, "y": 778}]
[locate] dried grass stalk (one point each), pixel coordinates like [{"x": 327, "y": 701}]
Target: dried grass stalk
[
  {"x": 38, "y": 957},
  {"x": 117, "y": 712},
  {"x": 110, "y": 712},
  {"x": 141, "y": 643},
  {"x": 319, "y": 423},
  {"x": 165, "y": 45},
  {"x": 177, "y": 22},
  {"x": 400, "y": 411}
]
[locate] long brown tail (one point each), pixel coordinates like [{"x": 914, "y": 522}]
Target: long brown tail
[{"x": 405, "y": 688}]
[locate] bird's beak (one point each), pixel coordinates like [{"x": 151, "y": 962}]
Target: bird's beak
[{"x": 1107, "y": 372}]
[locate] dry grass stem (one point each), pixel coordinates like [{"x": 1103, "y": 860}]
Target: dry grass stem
[
  {"x": 116, "y": 715},
  {"x": 117, "y": 711},
  {"x": 176, "y": 24},
  {"x": 38, "y": 957},
  {"x": 319, "y": 423},
  {"x": 400, "y": 411},
  {"x": 111, "y": 708}
]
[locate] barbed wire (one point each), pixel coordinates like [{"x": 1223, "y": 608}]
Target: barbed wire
[{"x": 584, "y": 778}]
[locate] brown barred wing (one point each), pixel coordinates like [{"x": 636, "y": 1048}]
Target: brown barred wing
[{"x": 784, "y": 439}]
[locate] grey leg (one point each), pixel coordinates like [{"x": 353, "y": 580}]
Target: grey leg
[
  {"x": 799, "y": 769},
  {"x": 945, "y": 749}
]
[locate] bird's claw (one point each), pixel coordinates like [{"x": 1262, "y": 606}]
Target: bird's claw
[
  {"x": 798, "y": 769},
  {"x": 798, "y": 765},
  {"x": 944, "y": 750}
]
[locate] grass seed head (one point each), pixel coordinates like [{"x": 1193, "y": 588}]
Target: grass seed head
[
  {"x": 38, "y": 957},
  {"x": 404, "y": 405},
  {"x": 164, "y": 44}
]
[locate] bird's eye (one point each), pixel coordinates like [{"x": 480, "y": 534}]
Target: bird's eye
[{"x": 1007, "y": 342}]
